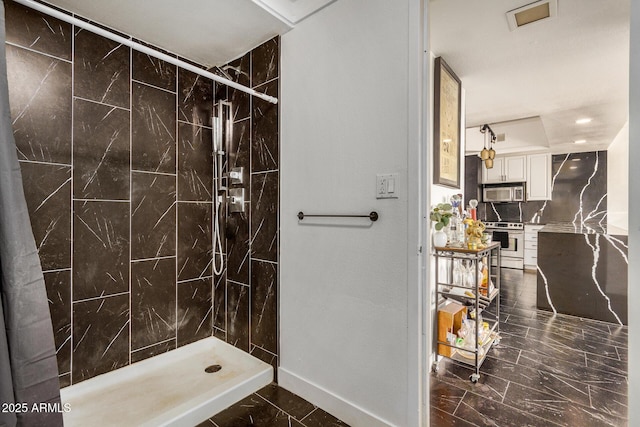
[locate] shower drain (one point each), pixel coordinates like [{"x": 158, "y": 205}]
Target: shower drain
[{"x": 213, "y": 368}]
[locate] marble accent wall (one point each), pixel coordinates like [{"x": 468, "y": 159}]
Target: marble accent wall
[
  {"x": 116, "y": 158},
  {"x": 579, "y": 192}
]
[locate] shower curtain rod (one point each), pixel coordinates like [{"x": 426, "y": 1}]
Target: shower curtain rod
[{"x": 144, "y": 49}]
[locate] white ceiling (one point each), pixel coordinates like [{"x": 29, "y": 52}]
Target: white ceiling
[
  {"x": 561, "y": 69},
  {"x": 209, "y": 32}
]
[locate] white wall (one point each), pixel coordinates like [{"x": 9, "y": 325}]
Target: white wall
[
  {"x": 618, "y": 180},
  {"x": 344, "y": 287},
  {"x": 634, "y": 216}
]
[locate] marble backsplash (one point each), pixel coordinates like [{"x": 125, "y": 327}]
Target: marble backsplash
[
  {"x": 579, "y": 192},
  {"x": 116, "y": 158}
]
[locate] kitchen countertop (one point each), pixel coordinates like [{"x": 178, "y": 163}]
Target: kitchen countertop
[{"x": 587, "y": 228}]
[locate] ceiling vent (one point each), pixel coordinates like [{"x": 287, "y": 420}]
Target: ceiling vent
[{"x": 531, "y": 13}]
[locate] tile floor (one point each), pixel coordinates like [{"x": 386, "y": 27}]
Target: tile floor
[
  {"x": 546, "y": 371},
  {"x": 273, "y": 406}
]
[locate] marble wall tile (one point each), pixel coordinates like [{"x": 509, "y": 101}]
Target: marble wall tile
[
  {"x": 59, "y": 293},
  {"x": 101, "y": 249},
  {"x": 239, "y": 150},
  {"x": 220, "y": 300},
  {"x": 153, "y": 302},
  {"x": 194, "y": 310},
  {"x": 153, "y": 71},
  {"x": 265, "y": 140},
  {"x": 265, "y": 61},
  {"x": 47, "y": 189},
  {"x": 194, "y": 240},
  {"x": 153, "y": 215},
  {"x": 264, "y": 305},
  {"x": 195, "y": 98},
  {"x": 29, "y": 28},
  {"x": 238, "y": 315},
  {"x": 195, "y": 163},
  {"x": 100, "y": 336},
  {"x": 153, "y": 129},
  {"x": 264, "y": 216},
  {"x": 100, "y": 152},
  {"x": 266, "y": 357},
  {"x": 154, "y": 350},
  {"x": 238, "y": 250},
  {"x": 240, "y": 72},
  {"x": 40, "y": 105},
  {"x": 101, "y": 69}
]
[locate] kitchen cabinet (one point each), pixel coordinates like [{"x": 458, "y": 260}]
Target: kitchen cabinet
[
  {"x": 506, "y": 169},
  {"x": 539, "y": 177},
  {"x": 531, "y": 246}
]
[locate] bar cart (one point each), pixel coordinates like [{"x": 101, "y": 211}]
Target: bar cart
[{"x": 468, "y": 299}]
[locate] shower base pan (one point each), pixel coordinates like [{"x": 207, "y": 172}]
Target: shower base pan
[{"x": 172, "y": 389}]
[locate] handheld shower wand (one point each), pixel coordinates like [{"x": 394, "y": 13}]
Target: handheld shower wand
[{"x": 218, "y": 156}]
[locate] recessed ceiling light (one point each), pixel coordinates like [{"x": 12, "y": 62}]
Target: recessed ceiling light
[
  {"x": 536, "y": 11},
  {"x": 580, "y": 141},
  {"x": 575, "y": 160},
  {"x": 573, "y": 167},
  {"x": 583, "y": 121}
]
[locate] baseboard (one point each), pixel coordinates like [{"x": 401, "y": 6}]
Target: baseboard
[{"x": 336, "y": 406}]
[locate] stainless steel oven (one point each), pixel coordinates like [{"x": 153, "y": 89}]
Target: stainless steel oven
[{"x": 511, "y": 237}]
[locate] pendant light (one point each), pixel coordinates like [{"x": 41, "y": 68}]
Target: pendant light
[{"x": 487, "y": 155}]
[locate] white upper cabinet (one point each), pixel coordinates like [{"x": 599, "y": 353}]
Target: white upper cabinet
[
  {"x": 539, "y": 177},
  {"x": 506, "y": 169}
]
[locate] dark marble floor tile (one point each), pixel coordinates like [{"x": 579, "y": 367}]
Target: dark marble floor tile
[
  {"x": 513, "y": 329},
  {"x": 490, "y": 386},
  {"x": 153, "y": 350},
  {"x": 502, "y": 352},
  {"x": 29, "y": 28},
  {"x": 623, "y": 353},
  {"x": 444, "y": 396},
  {"x": 237, "y": 234},
  {"x": 195, "y": 164},
  {"x": 154, "y": 71},
  {"x": 100, "y": 152},
  {"x": 195, "y": 253},
  {"x": 153, "y": 215},
  {"x": 487, "y": 412},
  {"x": 195, "y": 98},
  {"x": 41, "y": 105},
  {"x": 195, "y": 307},
  {"x": 265, "y": 138},
  {"x": 321, "y": 418},
  {"x": 264, "y": 216},
  {"x": 238, "y": 315},
  {"x": 573, "y": 390},
  {"x": 47, "y": 189},
  {"x": 100, "y": 336},
  {"x": 59, "y": 294},
  {"x": 101, "y": 249},
  {"x": 560, "y": 352},
  {"x": 289, "y": 402},
  {"x": 264, "y": 305},
  {"x": 220, "y": 299},
  {"x": 574, "y": 342},
  {"x": 153, "y": 302},
  {"x": 153, "y": 129},
  {"x": 254, "y": 411},
  {"x": 265, "y": 62},
  {"x": 440, "y": 418},
  {"x": 607, "y": 364},
  {"x": 555, "y": 409},
  {"x": 612, "y": 405},
  {"x": 562, "y": 319},
  {"x": 101, "y": 69}
]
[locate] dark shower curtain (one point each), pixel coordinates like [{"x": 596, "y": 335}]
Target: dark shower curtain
[{"x": 28, "y": 369}]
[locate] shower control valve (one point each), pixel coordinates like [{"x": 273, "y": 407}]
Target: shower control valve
[{"x": 236, "y": 175}]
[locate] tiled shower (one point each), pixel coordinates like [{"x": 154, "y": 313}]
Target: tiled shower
[{"x": 116, "y": 158}]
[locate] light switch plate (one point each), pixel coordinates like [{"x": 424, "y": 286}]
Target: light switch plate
[{"x": 387, "y": 186}]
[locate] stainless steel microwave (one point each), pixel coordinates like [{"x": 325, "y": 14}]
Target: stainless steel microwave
[{"x": 502, "y": 194}]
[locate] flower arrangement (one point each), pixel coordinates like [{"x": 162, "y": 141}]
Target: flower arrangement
[{"x": 441, "y": 215}]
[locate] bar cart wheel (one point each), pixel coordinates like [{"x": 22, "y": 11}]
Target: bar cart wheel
[
  {"x": 434, "y": 367},
  {"x": 474, "y": 378}
]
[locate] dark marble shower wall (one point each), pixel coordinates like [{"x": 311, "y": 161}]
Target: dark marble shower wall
[
  {"x": 579, "y": 192},
  {"x": 116, "y": 158}
]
